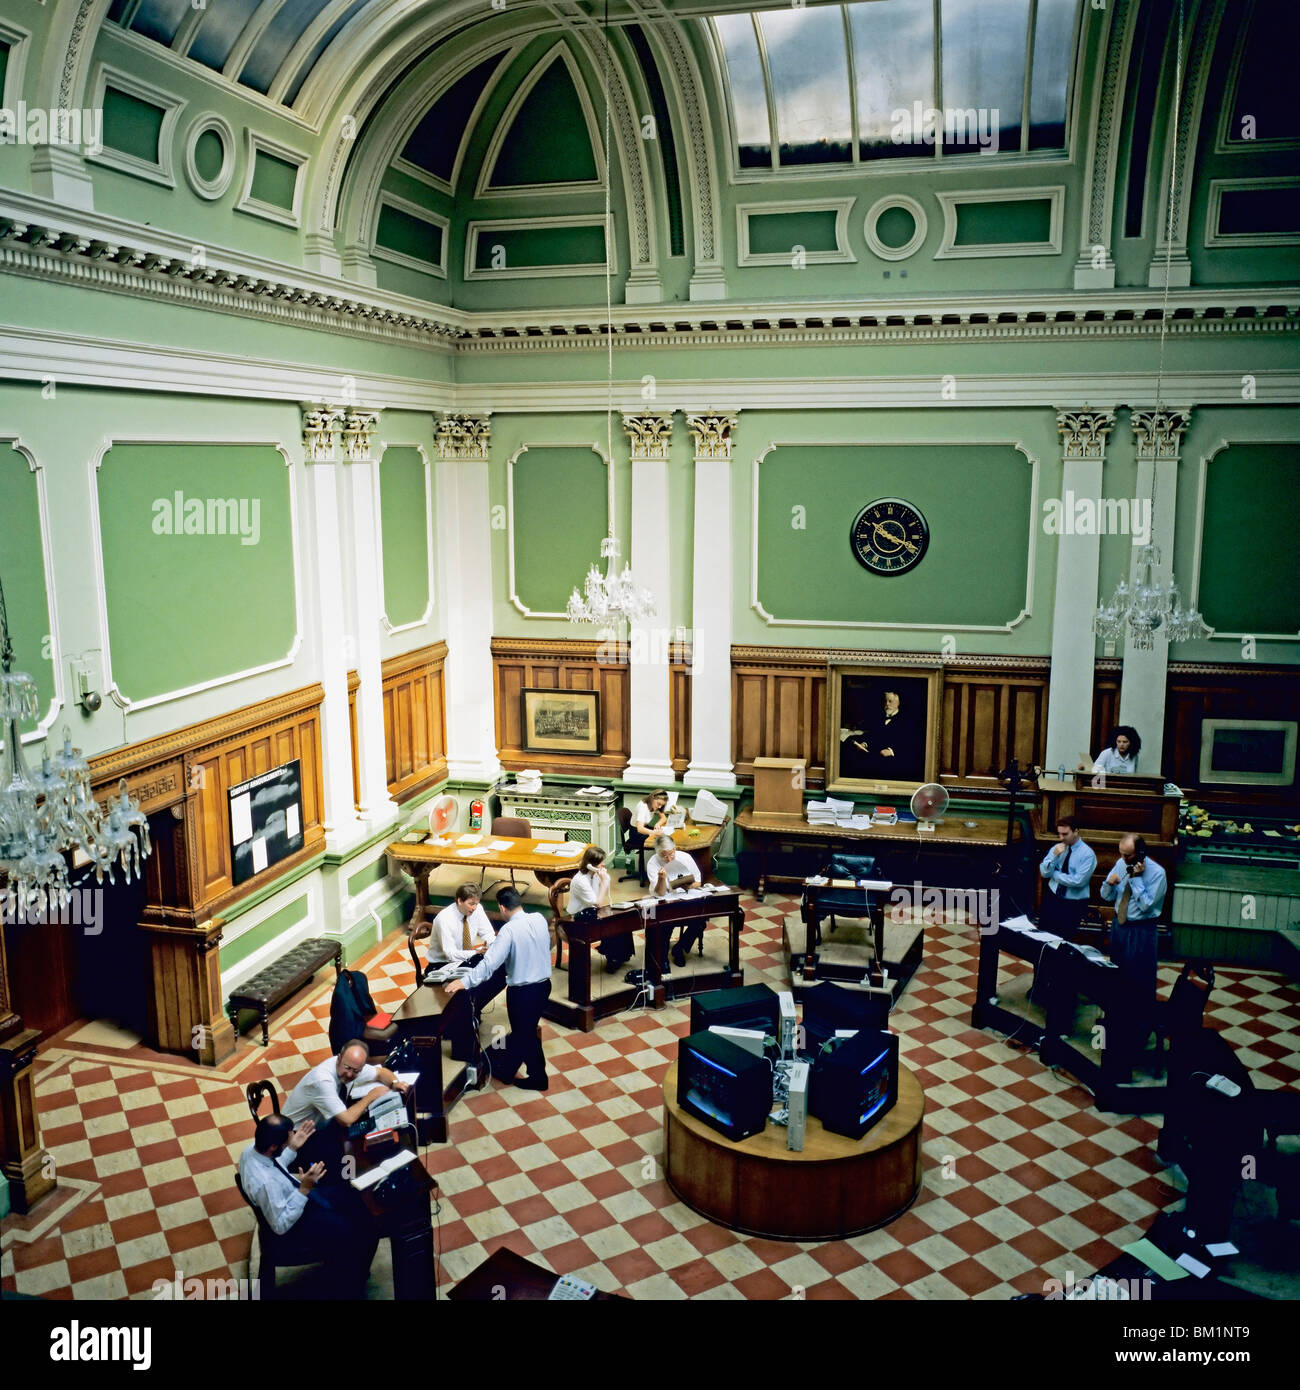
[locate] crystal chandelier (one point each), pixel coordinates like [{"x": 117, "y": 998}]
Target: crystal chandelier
[
  {"x": 608, "y": 599},
  {"x": 48, "y": 816},
  {"x": 1147, "y": 605}
]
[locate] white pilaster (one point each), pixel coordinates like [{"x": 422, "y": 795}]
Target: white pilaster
[
  {"x": 465, "y": 575},
  {"x": 1078, "y": 559},
  {"x": 650, "y": 752},
  {"x": 325, "y": 599},
  {"x": 356, "y": 433},
  {"x": 711, "y": 609},
  {"x": 1159, "y": 436}
]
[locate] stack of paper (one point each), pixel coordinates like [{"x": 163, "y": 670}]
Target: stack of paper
[
  {"x": 595, "y": 791},
  {"x": 498, "y": 845},
  {"x": 828, "y": 812},
  {"x": 471, "y": 839},
  {"x": 470, "y": 852},
  {"x": 390, "y": 1165},
  {"x": 442, "y": 841}
]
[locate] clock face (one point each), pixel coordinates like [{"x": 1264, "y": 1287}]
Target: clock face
[{"x": 889, "y": 536}]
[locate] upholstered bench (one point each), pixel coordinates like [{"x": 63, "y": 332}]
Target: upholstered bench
[{"x": 272, "y": 986}]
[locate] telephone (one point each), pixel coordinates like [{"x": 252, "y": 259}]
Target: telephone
[{"x": 386, "y": 1113}]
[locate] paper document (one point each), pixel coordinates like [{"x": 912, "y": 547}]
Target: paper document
[
  {"x": 390, "y": 1165},
  {"x": 1155, "y": 1260},
  {"x": 443, "y": 841},
  {"x": 241, "y": 819},
  {"x": 407, "y": 1078},
  {"x": 468, "y": 853},
  {"x": 291, "y": 822},
  {"x": 1021, "y": 923},
  {"x": 1192, "y": 1263},
  {"x": 1221, "y": 1248},
  {"x": 498, "y": 845},
  {"x": 259, "y": 855},
  {"x": 468, "y": 839}
]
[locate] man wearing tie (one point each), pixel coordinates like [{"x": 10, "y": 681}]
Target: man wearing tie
[
  {"x": 1137, "y": 886},
  {"x": 523, "y": 948},
  {"x": 323, "y": 1096},
  {"x": 1067, "y": 872},
  {"x": 462, "y": 931},
  {"x": 332, "y": 1228}
]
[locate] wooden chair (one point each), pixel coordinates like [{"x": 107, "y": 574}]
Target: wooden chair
[
  {"x": 278, "y": 1252},
  {"x": 420, "y": 934},
  {"x": 513, "y": 828},
  {"x": 255, "y": 1091},
  {"x": 559, "y": 895}
]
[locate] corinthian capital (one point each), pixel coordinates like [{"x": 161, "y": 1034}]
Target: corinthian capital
[
  {"x": 713, "y": 435},
  {"x": 355, "y": 431},
  {"x": 320, "y": 424},
  {"x": 1083, "y": 433},
  {"x": 651, "y": 435},
  {"x": 464, "y": 437},
  {"x": 1159, "y": 433}
]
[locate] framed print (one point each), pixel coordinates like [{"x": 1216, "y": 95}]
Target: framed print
[
  {"x": 562, "y": 721},
  {"x": 882, "y": 727}
]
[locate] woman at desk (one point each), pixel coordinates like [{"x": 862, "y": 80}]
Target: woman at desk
[
  {"x": 1121, "y": 755},
  {"x": 588, "y": 892},
  {"x": 651, "y": 814}
]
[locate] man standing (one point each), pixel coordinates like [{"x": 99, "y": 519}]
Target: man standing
[
  {"x": 323, "y": 1096},
  {"x": 1067, "y": 870},
  {"x": 1137, "y": 886},
  {"x": 523, "y": 947}
]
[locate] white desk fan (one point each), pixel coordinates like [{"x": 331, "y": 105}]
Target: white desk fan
[
  {"x": 443, "y": 813},
  {"x": 928, "y": 805}
]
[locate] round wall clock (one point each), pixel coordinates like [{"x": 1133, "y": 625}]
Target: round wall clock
[{"x": 889, "y": 536}]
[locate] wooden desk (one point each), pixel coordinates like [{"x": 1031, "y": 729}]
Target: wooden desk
[
  {"x": 1123, "y": 805},
  {"x": 834, "y": 1187},
  {"x": 405, "y": 1217},
  {"x": 952, "y": 834},
  {"x": 579, "y": 1010},
  {"x": 421, "y": 858},
  {"x": 504, "y": 1274},
  {"x": 427, "y": 1015}
]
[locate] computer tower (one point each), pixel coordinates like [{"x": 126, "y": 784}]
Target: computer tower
[
  {"x": 798, "y": 1103},
  {"x": 789, "y": 1023},
  {"x": 755, "y": 1006},
  {"x": 723, "y": 1085},
  {"x": 751, "y": 1039},
  {"x": 855, "y": 1085},
  {"x": 829, "y": 1007}
]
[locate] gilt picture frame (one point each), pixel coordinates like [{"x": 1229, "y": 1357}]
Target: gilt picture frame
[
  {"x": 882, "y": 727},
  {"x": 561, "y": 721}
]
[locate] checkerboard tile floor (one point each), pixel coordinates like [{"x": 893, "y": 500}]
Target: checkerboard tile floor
[{"x": 1024, "y": 1180}]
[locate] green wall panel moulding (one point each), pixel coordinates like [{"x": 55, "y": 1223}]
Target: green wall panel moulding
[
  {"x": 1247, "y": 211},
  {"x": 274, "y": 181},
  {"x": 404, "y": 523},
  {"x": 548, "y": 140},
  {"x": 372, "y": 873},
  {"x": 209, "y": 155},
  {"x": 559, "y": 495},
  {"x": 974, "y": 497},
  {"x": 131, "y": 125},
  {"x": 22, "y": 571},
  {"x": 4, "y": 65},
  {"x": 410, "y": 235},
  {"x": 536, "y": 248},
  {"x": 263, "y": 933},
  {"x": 198, "y": 563},
  {"x": 1004, "y": 223},
  {"x": 1250, "y": 564},
  {"x": 775, "y": 233}
]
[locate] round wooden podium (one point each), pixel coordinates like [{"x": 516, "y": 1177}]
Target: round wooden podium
[{"x": 834, "y": 1187}]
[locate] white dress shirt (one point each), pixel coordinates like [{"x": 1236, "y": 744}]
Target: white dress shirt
[
  {"x": 277, "y": 1198},
  {"x": 1111, "y": 760},
  {"x": 446, "y": 937},
  {"x": 1145, "y": 891},
  {"x": 523, "y": 946},
  {"x": 643, "y": 815},
  {"x": 677, "y": 867},
  {"x": 584, "y": 891},
  {"x": 316, "y": 1097}
]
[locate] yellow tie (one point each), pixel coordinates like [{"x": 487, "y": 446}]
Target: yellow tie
[
  {"x": 1121, "y": 907},
  {"x": 465, "y": 943}
]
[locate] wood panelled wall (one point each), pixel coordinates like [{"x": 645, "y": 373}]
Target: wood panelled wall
[
  {"x": 415, "y": 722},
  {"x": 679, "y": 706},
  {"x": 992, "y": 709},
  {"x": 520, "y": 663}
]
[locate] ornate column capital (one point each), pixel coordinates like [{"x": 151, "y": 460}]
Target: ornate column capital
[
  {"x": 713, "y": 436},
  {"x": 355, "y": 430},
  {"x": 465, "y": 438},
  {"x": 1083, "y": 433},
  {"x": 320, "y": 425},
  {"x": 1159, "y": 433},
  {"x": 651, "y": 435}
]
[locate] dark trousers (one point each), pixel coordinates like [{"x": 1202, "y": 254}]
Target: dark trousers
[
  {"x": 1061, "y": 916},
  {"x": 335, "y": 1228},
  {"x": 325, "y": 1146},
  {"x": 1133, "y": 949},
  {"x": 523, "y": 1047},
  {"x": 479, "y": 996}
]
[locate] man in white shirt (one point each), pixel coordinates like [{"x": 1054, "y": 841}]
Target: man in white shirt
[
  {"x": 670, "y": 869},
  {"x": 461, "y": 932},
  {"x": 333, "y": 1228},
  {"x": 523, "y": 948},
  {"x": 324, "y": 1097}
]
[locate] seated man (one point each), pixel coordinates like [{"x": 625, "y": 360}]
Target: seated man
[
  {"x": 323, "y": 1096},
  {"x": 460, "y": 934},
  {"x": 668, "y": 869},
  {"x": 333, "y": 1227}
]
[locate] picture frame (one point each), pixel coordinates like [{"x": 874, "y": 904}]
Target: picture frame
[
  {"x": 561, "y": 721},
  {"x": 870, "y": 750}
]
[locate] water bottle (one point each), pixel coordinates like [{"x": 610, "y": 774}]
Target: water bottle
[{"x": 1060, "y": 772}]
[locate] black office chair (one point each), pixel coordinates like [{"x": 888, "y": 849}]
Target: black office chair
[
  {"x": 1184, "y": 1011},
  {"x": 823, "y": 900},
  {"x": 629, "y": 842}
]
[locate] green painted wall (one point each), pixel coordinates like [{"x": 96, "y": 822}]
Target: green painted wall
[
  {"x": 404, "y": 524},
  {"x": 809, "y": 497},
  {"x": 179, "y": 603},
  {"x": 22, "y": 572},
  {"x": 266, "y": 931},
  {"x": 998, "y": 223},
  {"x": 543, "y": 246},
  {"x": 548, "y": 140},
  {"x": 560, "y": 518},
  {"x": 209, "y": 154},
  {"x": 132, "y": 125},
  {"x": 372, "y": 873},
  {"x": 412, "y": 236},
  {"x": 274, "y": 180},
  {"x": 776, "y": 233}
]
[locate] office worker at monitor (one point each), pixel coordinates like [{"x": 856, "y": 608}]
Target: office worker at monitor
[
  {"x": 1121, "y": 753},
  {"x": 331, "y": 1225},
  {"x": 323, "y": 1096},
  {"x": 523, "y": 947},
  {"x": 1067, "y": 872}
]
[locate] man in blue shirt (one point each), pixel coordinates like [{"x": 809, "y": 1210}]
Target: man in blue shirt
[
  {"x": 1067, "y": 872},
  {"x": 1137, "y": 886}
]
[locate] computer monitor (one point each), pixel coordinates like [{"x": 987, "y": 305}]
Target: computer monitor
[
  {"x": 723, "y": 1085},
  {"x": 756, "y": 1006},
  {"x": 828, "y": 1008},
  {"x": 855, "y": 1085}
]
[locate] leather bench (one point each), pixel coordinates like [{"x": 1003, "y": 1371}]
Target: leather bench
[{"x": 271, "y": 986}]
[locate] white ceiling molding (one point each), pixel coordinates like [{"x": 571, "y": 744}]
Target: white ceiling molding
[
  {"x": 1224, "y": 143},
  {"x": 913, "y": 244},
  {"x": 18, "y": 41},
  {"x": 1218, "y": 240},
  {"x": 421, "y": 214},
  {"x": 479, "y": 228},
  {"x": 256, "y": 143}
]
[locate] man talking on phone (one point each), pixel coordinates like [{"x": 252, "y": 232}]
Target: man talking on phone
[{"x": 1137, "y": 886}]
